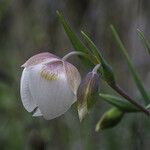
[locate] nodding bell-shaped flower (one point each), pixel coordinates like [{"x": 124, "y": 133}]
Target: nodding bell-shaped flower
[
  {"x": 48, "y": 85},
  {"x": 87, "y": 92}
]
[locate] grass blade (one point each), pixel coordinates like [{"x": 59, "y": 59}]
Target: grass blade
[
  {"x": 142, "y": 37},
  {"x": 133, "y": 71}
]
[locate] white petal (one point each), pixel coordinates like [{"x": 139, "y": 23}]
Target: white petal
[
  {"x": 37, "y": 113},
  {"x": 26, "y": 97},
  {"x": 73, "y": 76},
  {"x": 51, "y": 89}
]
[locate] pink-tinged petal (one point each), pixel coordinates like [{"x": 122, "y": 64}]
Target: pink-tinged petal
[
  {"x": 44, "y": 57},
  {"x": 26, "y": 97},
  {"x": 52, "y": 70},
  {"x": 73, "y": 76},
  {"x": 53, "y": 95}
]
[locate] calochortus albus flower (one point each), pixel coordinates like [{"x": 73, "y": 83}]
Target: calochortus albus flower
[{"x": 48, "y": 85}]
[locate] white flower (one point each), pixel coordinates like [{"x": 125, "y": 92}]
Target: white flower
[{"x": 48, "y": 85}]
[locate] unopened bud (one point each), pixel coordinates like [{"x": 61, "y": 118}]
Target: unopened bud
[
  {"x": 110, "y": 119},
  {"x": 87, "y": 93}
]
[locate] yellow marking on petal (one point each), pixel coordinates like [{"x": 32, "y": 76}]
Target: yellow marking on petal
[{"x": 48, "y": 75}]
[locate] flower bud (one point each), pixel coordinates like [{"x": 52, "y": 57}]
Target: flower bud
[
  {"x": 109, "y": 119},
  {"x": 86, "y": 93}
]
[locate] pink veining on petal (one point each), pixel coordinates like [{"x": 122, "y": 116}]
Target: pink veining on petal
[
  {"x": 53, "y": 70},
  {"x": 39, "y": 58}
]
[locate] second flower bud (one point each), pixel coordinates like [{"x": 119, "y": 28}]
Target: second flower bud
[{"x": 87, "y": 92}]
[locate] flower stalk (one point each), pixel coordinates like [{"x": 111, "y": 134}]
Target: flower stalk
[{"x": 74, "y": 53}]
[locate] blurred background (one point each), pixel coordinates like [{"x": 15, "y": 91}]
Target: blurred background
[{"x": 28, "y": 27}]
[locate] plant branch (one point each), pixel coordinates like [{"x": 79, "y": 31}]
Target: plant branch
[{"x": 118, "y": 89}]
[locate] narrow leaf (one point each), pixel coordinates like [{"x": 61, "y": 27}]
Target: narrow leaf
[
  {"x": 142, "y": 37},
  {"x": 119, "y": 102},
  {"x": 78, "y": 45},
  {"x": 92, "y": 47},
  {"x": 133, "y": 71},
  {"x": 75, "y": 41},
  {"x": 106, "y": 70}
]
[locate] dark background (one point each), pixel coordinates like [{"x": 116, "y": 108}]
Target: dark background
[{"x": 28, "y": 27}]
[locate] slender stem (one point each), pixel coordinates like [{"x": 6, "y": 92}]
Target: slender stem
[
  {"x": 96, "y": 68},
  {"x": 122, "y": 93},
  {"x": 74, "y": 53}
]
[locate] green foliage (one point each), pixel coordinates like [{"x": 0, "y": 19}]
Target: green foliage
[
  {"x": 78, "y": 45},
  {"x": 91, "y": 46},
  {"x": 94, "y": 54},
  {"x": 133, "y": 71},
  {"x": 106, "y": 70}
]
